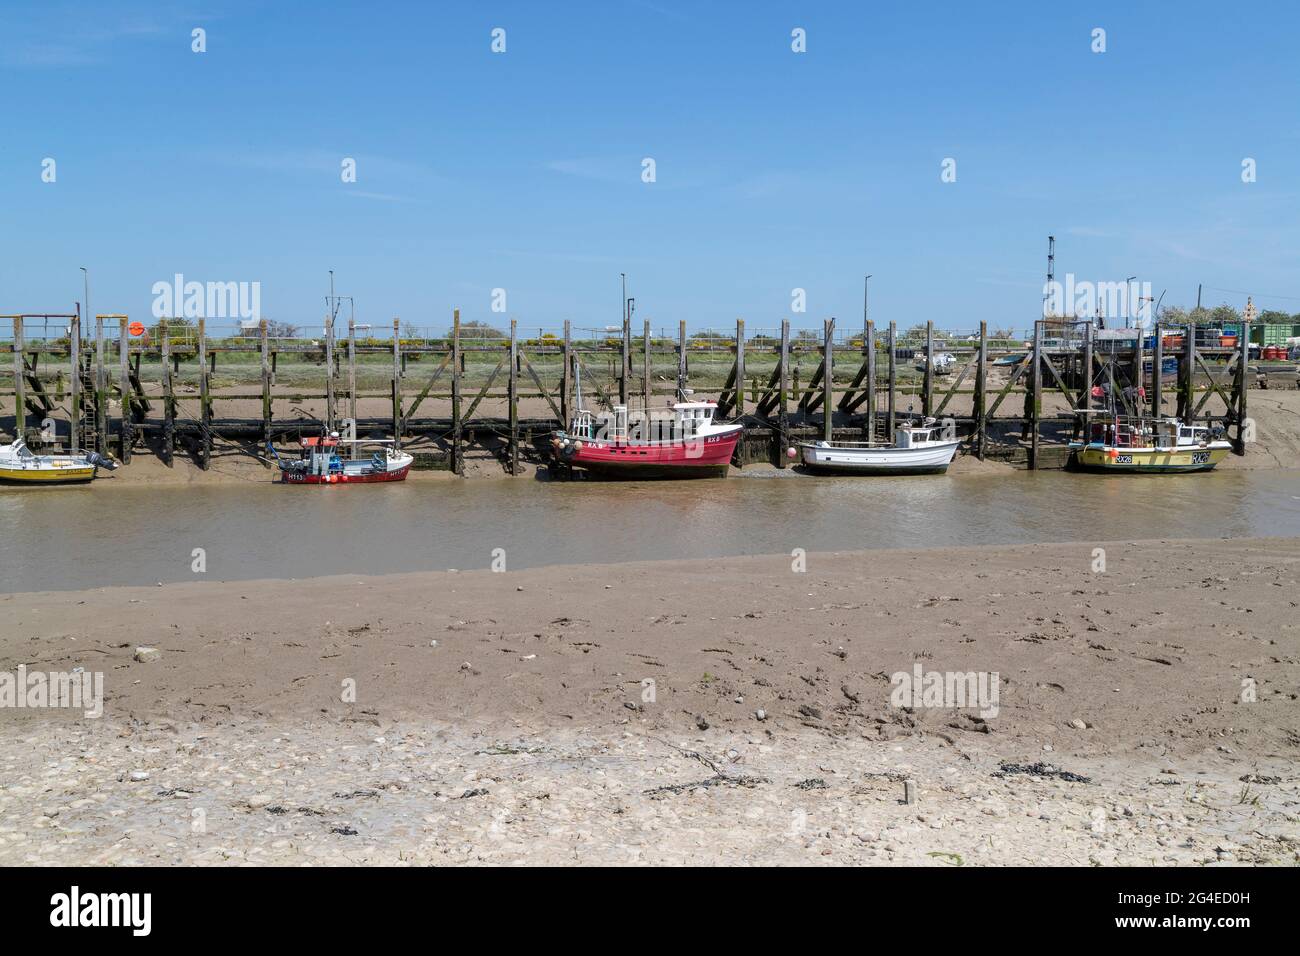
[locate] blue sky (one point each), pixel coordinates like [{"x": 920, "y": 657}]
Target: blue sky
[{"x": 522, "y": 170}]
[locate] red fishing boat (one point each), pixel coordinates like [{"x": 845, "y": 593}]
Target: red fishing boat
[
  {"x": 321, "y": 463},
  {"x": 685, "y": 444}
]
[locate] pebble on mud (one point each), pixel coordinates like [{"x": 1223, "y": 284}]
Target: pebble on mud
[{"x": 147, "y": 655}]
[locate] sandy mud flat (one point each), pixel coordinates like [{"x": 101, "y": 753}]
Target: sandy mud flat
[{"x": 722, "y": 712}]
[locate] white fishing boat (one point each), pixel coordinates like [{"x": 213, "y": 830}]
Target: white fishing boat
[
  {"x": 917, "y": 450},
  {"x": 20, "y": 465}
]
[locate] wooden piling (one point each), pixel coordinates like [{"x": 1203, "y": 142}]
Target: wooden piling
[
  {"x": 740, "y": 369},
  {"x": 893, "y": 381},
  {"x": 397, "y": 384},
  {"x": 266, "y": 382},
  {"x": 1085, "y": 384},
  {"x": 331, "y": 412},
  {"x": 125, "y": 389},
  {"x": 205, "y": 399},
  {"x": 352, "y": 373},
  {"x": 457, "y": 462},
  {"x": 828, "y": 386},
  {"x": 927, "y": 386},
  {"x": 169, "y": 394},
  {"x": 20, "y": 381},
  {"x": 783, "y": 392},
  {"x": 681, "y": 360},
  {"x": 1239, "y": 386},
  {"x": 626, "y": 372},
  {"x": 566, "y": 379},
  {"x": 74, "y": 393},
  {"x": 979, "y": 400},
  {"x": 101, "y": 390},
  {"x": 514, "y": 398},
  {"x": 1036, "y": 394},
  {"x": 1157, "y": 359},
  {"x": 645, "y": 369},
  {"x": 1186, "y": 369},
  {"x": 869, "y": 396},
  {"x": 1137, "y": 377}
]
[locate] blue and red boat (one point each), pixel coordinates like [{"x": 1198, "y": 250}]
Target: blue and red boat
[{"x": 322, "y": 464}]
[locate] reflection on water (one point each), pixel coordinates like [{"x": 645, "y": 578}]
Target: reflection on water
[{"x": 88, "y": 536}]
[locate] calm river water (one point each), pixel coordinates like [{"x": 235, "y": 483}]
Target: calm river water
[{"x": 97, "y": 535}]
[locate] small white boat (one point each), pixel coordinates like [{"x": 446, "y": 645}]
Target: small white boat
[
  {"x": 944, "y": 363},
  {"x": 917, "y": 450},
  {"x": 19, "y": 464}
]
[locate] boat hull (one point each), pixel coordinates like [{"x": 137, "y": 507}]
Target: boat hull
[
  {"x": 879, "y": 461},
  {"x": 1147, "y": 460},
  {"x": 303, "y": 478},
  {"x": 707, "y": 457},
  {"x": 63, "y": 475}
]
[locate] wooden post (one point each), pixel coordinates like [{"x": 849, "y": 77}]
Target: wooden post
[
  {"x": 101, "y": 390},
  {"x": 266, "y": 383},
  {"x": 566, "y": 380},
  {"x": 169, "y": 394},
  {"x": 681, "y": 358},
  {"x": 331, "y": 412},
  {"x": 457, "y": 464},
  {"x": 893, "y": 380},
  {"x": 627, "y": 357},
  {"x": 645, "y": 371},
  {"x": 397, "y": 385},
  {"x": 981, "y": 386},
  {"x": 514, "y": 399},
  {"x": 20, "y": 381},
  {"x": 205, "y": 401},
  {"x": 1186, "y": 369},
  {"x": 927, "y": 388},
  {"x": 1085, "y": 384},
  {"x": 1036, "y": 394},
  {"x": 1085, "y": 391},
  {"x": 869, "y": 344},
  {"x": 74, "y": 355},
  {"x": 1157, "y": 359},
  {"x": 352, "y": 372},
  {"x": 783, "y": 385},
  {"x": 1137, "y": 378},
  {"x": 1240, "y": 386},
  {"x": 740, "y": 368},
  {"x": 124, "y": 387},
  {"x": 828, "y": 387}
]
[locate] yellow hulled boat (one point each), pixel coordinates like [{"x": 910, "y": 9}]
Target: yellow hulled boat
[
  {"x": 1158, "y": 446},
  {"x": 19, "y": 464}
]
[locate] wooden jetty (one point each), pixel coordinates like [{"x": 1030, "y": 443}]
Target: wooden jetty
[{"x": 185, "y": 385}]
